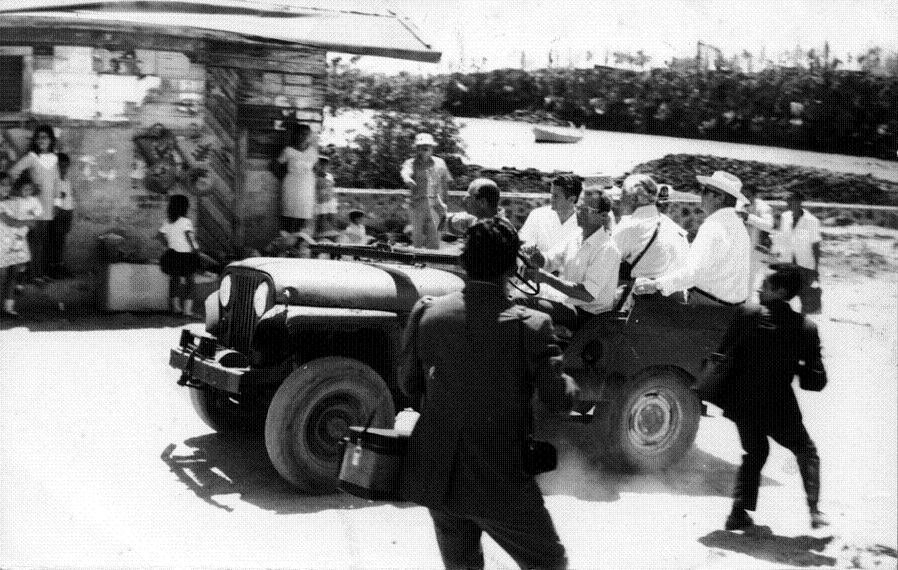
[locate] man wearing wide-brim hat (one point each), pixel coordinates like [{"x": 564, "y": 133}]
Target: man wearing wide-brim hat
[
  {"x": 428, "y": 180},
  {"x": 717, "y": 268}
]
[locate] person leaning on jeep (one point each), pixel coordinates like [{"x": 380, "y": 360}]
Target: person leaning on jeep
[{"x": 474, "y": 359}]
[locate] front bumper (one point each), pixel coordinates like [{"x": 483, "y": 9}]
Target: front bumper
[{"x": 205, "y": 364}]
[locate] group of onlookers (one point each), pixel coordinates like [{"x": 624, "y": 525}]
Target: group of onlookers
[{"x": 36, "y": 207}]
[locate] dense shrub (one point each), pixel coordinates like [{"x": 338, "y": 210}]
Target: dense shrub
[
  {"x": 374, "y": 160},
  {"x": 819, "y": 109}
]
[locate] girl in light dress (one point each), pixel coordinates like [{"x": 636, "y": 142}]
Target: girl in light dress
[
  {"x": 181, "y": 260},
  {"x": 298, "y": 200},
  {"x": 19, "y": 208}
]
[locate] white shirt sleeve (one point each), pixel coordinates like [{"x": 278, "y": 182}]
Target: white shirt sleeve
[
  {"x": 816, "y": 236},
  {"x": 601, "y": 279},
  {"x": 406, "y": 171},
  {"x": 529, "y": 232},
  {"x": 703, "y": 249}
]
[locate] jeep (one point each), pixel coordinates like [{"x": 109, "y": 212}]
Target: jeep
[{"x": 309, "y": 347}]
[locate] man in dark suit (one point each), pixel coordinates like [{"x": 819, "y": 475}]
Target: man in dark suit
[
  {"x": 474, "y": 360},
  {"x": 764, "y": 349}
]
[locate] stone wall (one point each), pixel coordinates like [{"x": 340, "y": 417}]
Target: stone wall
[{"x": 388, "y": 207}]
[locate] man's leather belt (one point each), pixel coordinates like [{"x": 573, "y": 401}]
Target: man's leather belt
[{"x": 713, "y": 298}]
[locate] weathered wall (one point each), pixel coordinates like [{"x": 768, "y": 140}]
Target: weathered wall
[{"x": 144, "y": 116}]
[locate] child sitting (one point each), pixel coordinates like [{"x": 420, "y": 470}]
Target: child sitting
[{"x": 355, "y": 233}]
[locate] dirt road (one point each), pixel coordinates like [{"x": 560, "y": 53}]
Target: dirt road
[{"x": 104, "y": 463}]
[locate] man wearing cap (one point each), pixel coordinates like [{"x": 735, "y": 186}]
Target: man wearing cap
[
  {"x": 588, "y": 268},
  {"x": 549, "y": 227},
  {"x": 481, "y": 202},
  {"x": 428, "y": 179},
  {"x": 644, "y": 235},
  {"x": 716, "y": 269},
  {"x": 798, "y": 242}
]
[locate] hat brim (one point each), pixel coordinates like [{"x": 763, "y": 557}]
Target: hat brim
[{"x": 708, "y": 181}]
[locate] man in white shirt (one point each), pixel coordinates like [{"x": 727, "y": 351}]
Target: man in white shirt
[
  {"x": 549, "y": 227},
  {"x": 717, "y": 266},
  {"x": 798, "y": 242},
  {"x": 642, "y": 219},
  {"x": 588, "y": 268},
  {"x": 758, "y": 216},
  {"x": 428, "y": 180},
  {"x": 481, "y": 202}
]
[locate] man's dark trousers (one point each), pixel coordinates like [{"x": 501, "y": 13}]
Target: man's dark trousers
[
  {"x": 530, "y": 540},
  {"x": 793, "y": 436}
]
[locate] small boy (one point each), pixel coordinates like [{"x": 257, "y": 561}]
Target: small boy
[
  {"x": 355, "y": 233},
  {"x": 61, "y": 224},
  {"x": 327, "y": 204}
]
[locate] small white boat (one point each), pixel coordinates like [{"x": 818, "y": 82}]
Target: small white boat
[{"x": 556, "y": 135}]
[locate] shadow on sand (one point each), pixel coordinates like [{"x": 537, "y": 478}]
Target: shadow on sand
[
  {"x": 215, "y": 465},
  {"x": 759, "y": 542}
]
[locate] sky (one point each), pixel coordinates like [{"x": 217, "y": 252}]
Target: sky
[{"x": 492, "y": 34}]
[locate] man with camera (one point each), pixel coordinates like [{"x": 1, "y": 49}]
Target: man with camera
[
  {"x": 750, "y": 378},
  {"x": 473, "y": 360}
]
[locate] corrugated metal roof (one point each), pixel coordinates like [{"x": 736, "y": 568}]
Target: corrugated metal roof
[{"x": 358, "y": 27}]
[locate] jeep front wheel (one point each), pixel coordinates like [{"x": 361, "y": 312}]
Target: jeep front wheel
[
  {"x": 311, "y": 413},
  {"x": 651, "y": 421},
  {"x": 219, "y": 410}
]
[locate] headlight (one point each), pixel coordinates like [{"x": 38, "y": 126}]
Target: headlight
[
  {"x": 224, "y": 291},
  {"x": 260, "y": 298}
]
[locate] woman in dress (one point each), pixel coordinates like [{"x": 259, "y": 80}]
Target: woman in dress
[
  {"x": 298, "y": 189},
  {"x": 41, "y": 163}
]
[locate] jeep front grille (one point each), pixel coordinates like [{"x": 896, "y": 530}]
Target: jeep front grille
[{"x": 239, "y": 319}]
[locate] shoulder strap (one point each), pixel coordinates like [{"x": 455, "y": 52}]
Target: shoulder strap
[{"x": 647, "y": 246}]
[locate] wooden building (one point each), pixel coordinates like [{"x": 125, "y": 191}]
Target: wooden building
[{"x": 189, "y": 96}]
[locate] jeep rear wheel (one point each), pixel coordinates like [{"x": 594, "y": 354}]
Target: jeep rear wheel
[
  {"x": 651, "y": 421},
  {"x": 311, "y": 413}
]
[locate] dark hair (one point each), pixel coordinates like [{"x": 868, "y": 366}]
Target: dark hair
[
  {"x": 787, "y": 279},
  {"x": 729, "y": 201},
  {"x": 178, "y": 204},
  {"x": 491, "y": 249},
  {"x": 297, "y": 133},
  {"x": 43, "y": 129},
  {"x": 750, "y": 188},
  {"x": 20, "y": 182},
  {"x": 488, "y": 190},
  {"x": 65, "y": 161},
  {"x": 571, "y": 184},
  {"x": 356, "y": 215}
]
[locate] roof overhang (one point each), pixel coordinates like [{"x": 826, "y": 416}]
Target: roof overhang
[{"x": 331, "y": 25}]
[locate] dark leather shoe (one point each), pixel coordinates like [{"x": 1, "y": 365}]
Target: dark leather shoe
[{"x": 738, "y": 520}]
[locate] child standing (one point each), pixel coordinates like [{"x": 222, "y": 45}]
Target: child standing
[
  {"x": 326, "y": 199},
  {"x": 181, "y": 260},
  {"x": 62, "y": 219},
  {"x": 18, "y": 210}
]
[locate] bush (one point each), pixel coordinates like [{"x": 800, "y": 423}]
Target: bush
[{"x": 374, "y": 161}]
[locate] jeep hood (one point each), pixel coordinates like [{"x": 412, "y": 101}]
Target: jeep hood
[{"x": 353, "y": 285}]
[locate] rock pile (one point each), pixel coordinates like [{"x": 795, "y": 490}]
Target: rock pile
[{"x": 773, "y": 180}]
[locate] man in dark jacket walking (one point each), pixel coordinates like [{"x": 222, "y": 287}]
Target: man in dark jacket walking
[
  {"x": 764, "y": 349},
  {"x": 474, "y": 360}
]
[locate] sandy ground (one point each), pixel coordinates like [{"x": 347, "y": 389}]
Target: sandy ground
[{"x": 103, "y": 463}]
